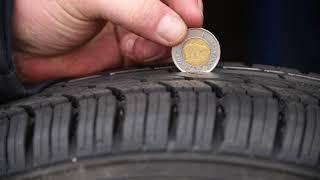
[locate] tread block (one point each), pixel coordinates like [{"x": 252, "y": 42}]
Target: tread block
[
  {"x": 106, "y": 113},
  {"x": 146, "y": 119},
  {"x": 186, "y": 86},
  {"x": 258, "y": 136},
  {"x": 89, "y": 114},
  {"x": 60, "y": 131},
  {"x": 189, "y": 94},
  {"x": 309, "y": 86},
  {"x": 239, "y": 88},
  {"x": 293, "y": 133},
  {"x": 291, "y": 95},
  {"x": 4, "y": 126},
  {"x": 238, "y": 110},
  {"x": 161, "y": 75},
  {"x": 304, "y": 83},
  {"x": 137, "y": 87},
  {"x": 280, "y": 83},
  {"x": 134, "y": 121},
  {"x": 41, "y": 136},
  {"x": 157, "y": 125},
  {"x": 264, "y": 126},
  {"x": 212, "y": 76},
  {"x": 205, "y": 121},
  {"x": 85, "y": 127},
  {"x": 223, "y": 88},
  {"x": 251, "y": 73},
  {"x": 16, "y": 141},
  {"x": 314, "y": 93},
  {"x": 274, "y": 68},
  {"x": 185, "y": 120},
  {"x": 310, "y": 148}
]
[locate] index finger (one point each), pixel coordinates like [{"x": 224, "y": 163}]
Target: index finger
[
  {"x": 191, "y": 11},
  {"x": 151, "y": 19}
]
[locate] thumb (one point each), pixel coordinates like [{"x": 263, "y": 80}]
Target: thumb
[{"x": 150, "y": 19}]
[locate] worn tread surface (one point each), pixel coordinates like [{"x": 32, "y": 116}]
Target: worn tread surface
[{"x": 257, "y": 113}]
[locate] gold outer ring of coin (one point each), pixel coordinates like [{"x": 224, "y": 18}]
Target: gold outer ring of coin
[{"x": 199, "y": 52}]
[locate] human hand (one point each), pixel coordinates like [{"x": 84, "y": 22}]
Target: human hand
[{"x": 70, "y": 38}]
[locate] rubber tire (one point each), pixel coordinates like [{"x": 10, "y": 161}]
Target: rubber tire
[{"x": 239, "y": 122}]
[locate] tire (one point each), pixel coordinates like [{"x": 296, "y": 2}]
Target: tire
[{"x": 237, "y": 123}]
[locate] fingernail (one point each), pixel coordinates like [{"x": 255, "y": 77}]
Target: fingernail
[
  {"x": 171, "y": 29},
  {"x": 200, "y": 5}
]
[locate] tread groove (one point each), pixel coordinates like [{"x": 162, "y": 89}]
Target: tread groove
[
  {"x": 95, "y": 124},
  {"x": 73, "y": 128},
  {"x": 145, "y": 121},
  {"x": 28, "y": 147},
  {"x": 4, "y": 133}
]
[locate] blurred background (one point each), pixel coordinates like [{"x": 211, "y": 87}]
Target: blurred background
[{"x": 273, "y": 32}]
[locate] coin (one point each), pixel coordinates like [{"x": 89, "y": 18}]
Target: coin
[{"x": 199, "y": 52}]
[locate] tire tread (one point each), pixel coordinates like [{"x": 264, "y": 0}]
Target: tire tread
[{"x": 229, "y": 112}]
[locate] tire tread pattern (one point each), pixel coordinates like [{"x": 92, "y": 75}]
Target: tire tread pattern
[{"x": 255, "y": 114}]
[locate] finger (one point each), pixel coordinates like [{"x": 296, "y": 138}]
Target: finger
[
  {"x": 99, "y": 54},
  {"x": 146, "y": 51},
  {"x": 141, "y": 50},
  {"x": 150, "y": 19},
  {"x": 190, "y": 10}
]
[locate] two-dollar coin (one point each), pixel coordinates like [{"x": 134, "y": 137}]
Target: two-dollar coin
[{"x": 199, "y": 52}]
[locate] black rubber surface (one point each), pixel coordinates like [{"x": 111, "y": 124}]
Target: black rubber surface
[{"x": 238, "y": 122}]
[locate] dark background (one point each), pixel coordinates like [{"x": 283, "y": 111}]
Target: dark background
[{"x": 274, "y": 32}]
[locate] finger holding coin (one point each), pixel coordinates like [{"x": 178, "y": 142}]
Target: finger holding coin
[{"x": 199, "y": 52}]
